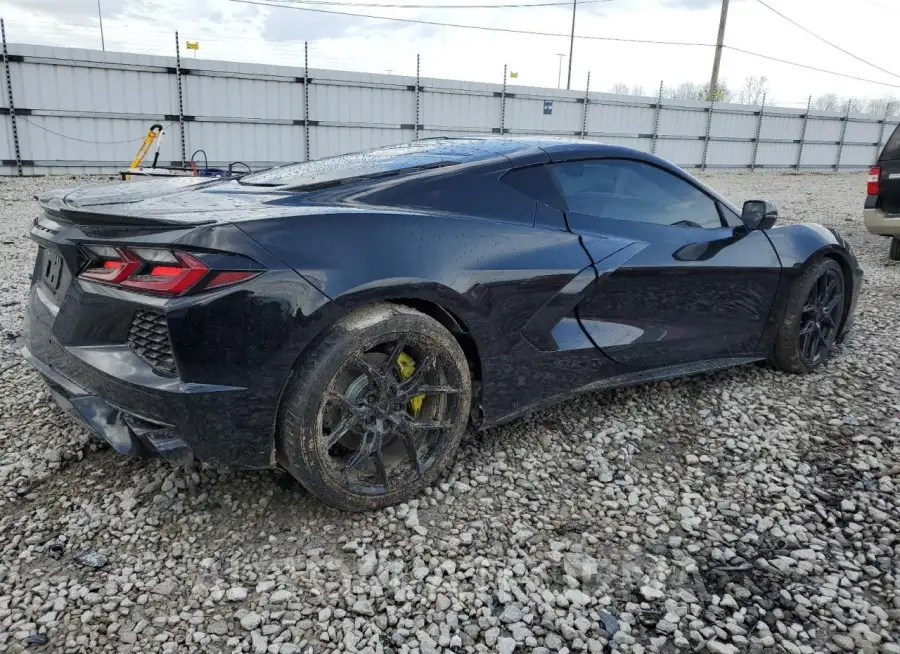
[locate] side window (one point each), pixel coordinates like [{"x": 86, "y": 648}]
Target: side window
[
  {"x": 536, "y": 183},
  {"x": 630, "y": 190}
]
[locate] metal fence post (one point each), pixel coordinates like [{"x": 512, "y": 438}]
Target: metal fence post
[
  {"x": 803, "y": 133},
  {"x": 887, "y": 107},
  {"x": 587, "y": 99},
  {"x": 837, "y": 161},
  {"x": 180, "y": 98},
  {"x": 306, "y": 99},
  {"x": 418, "y": 100},
  {"x": 503, "y": 104},
  {"x": 656, "y": 118},
  {"x": 759, "y": 123},
  {"x": 12, "y": 104},
  {"x": 706, "y": 139}
]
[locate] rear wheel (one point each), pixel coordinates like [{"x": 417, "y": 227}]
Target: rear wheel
[
  {"x": 894, "y": 253},
  {"x": 812, "y": 318},
  {"x": 377, "y": 410}
]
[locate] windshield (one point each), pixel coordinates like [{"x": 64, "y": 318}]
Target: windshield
[{"x": 331, "y": 170}]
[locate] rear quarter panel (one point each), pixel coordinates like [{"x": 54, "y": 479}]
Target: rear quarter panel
[
  {"x": 495, "y": 277},
  {"x": 798, "y": 246},
  {"x": 492, "y": 275}
]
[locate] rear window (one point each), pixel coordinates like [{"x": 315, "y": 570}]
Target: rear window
[
  {"x": 891, "y": 150},
  {"x": 332, "y": 170}
]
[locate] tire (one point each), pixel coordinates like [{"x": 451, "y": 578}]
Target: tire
[
  {"x": 349, "y": 430},
  {"x": 812, "y": 318},
  {"x": 894, "y": 252}
]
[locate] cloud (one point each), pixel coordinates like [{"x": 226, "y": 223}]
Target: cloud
[
  {"x": 692, "y": 4},
  {"x": 293, "y": 25},
  {"x": 151, "y": 11},
  {"x": 69, "y": 9}
]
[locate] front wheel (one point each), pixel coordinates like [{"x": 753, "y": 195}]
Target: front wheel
[
  {"x": 894, "y": 253},
  {"x": 812, "y": 319},
  {"x": 377, "y": 409}
]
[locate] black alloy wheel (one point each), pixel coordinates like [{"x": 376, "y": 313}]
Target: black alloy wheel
[
  {"x": 812, "y": 319},
  {"x": 380, "y": 429},
  {"x": 820, "y": 320},
  {"x": 377, "y": 410}
]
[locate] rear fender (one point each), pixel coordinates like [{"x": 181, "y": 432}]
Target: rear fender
[
  {"x": 493, "y": 275},
  {"x": 798, "y": 247}
]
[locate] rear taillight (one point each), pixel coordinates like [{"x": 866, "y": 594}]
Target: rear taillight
[
  {"x": 171, "y": 279},
  {"x": 873, "y": 186},
  {"x": 112, "y": 266},
  {"x": 156, "y": 270}
]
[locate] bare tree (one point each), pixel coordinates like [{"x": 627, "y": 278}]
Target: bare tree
[
  {"x": 886, "y": 106},
  {"x": 621, "y": 88},
  {"x": 753, "y": 90},
  {"x": 685, "y": 91},
  {"x": 755, "y": 87},
  {"x": 694, "y": 91},
  {"x": 827, "y": 102}
]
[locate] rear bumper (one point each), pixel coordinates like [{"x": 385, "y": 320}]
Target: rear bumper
[
  {"x": 122, "y": 399},
  {"x": 180, "y": 423},
  {"x": 126, "y": 432},
  {"x": 880, "y": 223}
]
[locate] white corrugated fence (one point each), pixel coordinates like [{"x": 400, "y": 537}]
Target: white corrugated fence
[{"x": 71, "y": 110}]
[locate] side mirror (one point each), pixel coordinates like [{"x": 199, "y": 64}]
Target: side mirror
[{"x": 759, "y": 214}]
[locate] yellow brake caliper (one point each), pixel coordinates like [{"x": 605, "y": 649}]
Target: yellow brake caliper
[{"x": 406, "y": 367}]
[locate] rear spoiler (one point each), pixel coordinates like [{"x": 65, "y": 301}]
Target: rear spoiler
[
  {"x": 54, "y": 204},
  {"x": 80, "y": 217}
]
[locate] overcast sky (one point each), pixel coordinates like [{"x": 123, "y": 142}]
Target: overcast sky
[{"x": 227, "y": 29}]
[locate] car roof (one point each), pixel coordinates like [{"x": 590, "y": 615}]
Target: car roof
[
  {"x": 427, "y": 153},
  {"x": 522, "y": 150},
  {"x": 474, "y": 148}
]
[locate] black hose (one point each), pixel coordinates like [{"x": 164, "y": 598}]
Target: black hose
[
  {"x": 205, "y": 158},
  {"x": 239, "y": 163}
]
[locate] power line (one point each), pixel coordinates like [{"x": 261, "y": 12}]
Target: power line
[
  {"x": 407, "y": 6},
  {"x": 556, "y": 34},
  {"x": 72, "y": 138},
  {"x": 881, "y": 6},
  {"x": 513, "y": 31},
  {"x": 470, "y": 27},
  {"x": 820, "y": 70},
  {"x": 824, "y": 40}
]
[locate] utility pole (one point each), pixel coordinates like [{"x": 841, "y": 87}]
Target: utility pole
[
  {"x": 100, "y": 16},
  {"x": 559, "y": 70},
  {"x": 572, "y": 45},
  {"x": 714, "y": 79}
]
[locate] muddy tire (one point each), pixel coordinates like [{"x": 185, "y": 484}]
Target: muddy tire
[
  {"x": 812, "y": 318},
  {"x": 376, "y": 411}
]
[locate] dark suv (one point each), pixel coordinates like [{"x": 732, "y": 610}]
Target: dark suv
[{"x": 882, "y": 212}]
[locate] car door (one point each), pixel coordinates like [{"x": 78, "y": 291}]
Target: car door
[{"x": 694, "y": 285}]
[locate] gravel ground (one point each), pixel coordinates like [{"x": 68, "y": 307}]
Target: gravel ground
[{"x": 746, "y": 510}]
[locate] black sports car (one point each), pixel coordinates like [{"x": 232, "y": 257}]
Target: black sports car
[{"x": 346, "y": 319}]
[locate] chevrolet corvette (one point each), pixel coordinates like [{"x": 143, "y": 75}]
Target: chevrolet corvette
[{"x": 348, "y": 319}]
